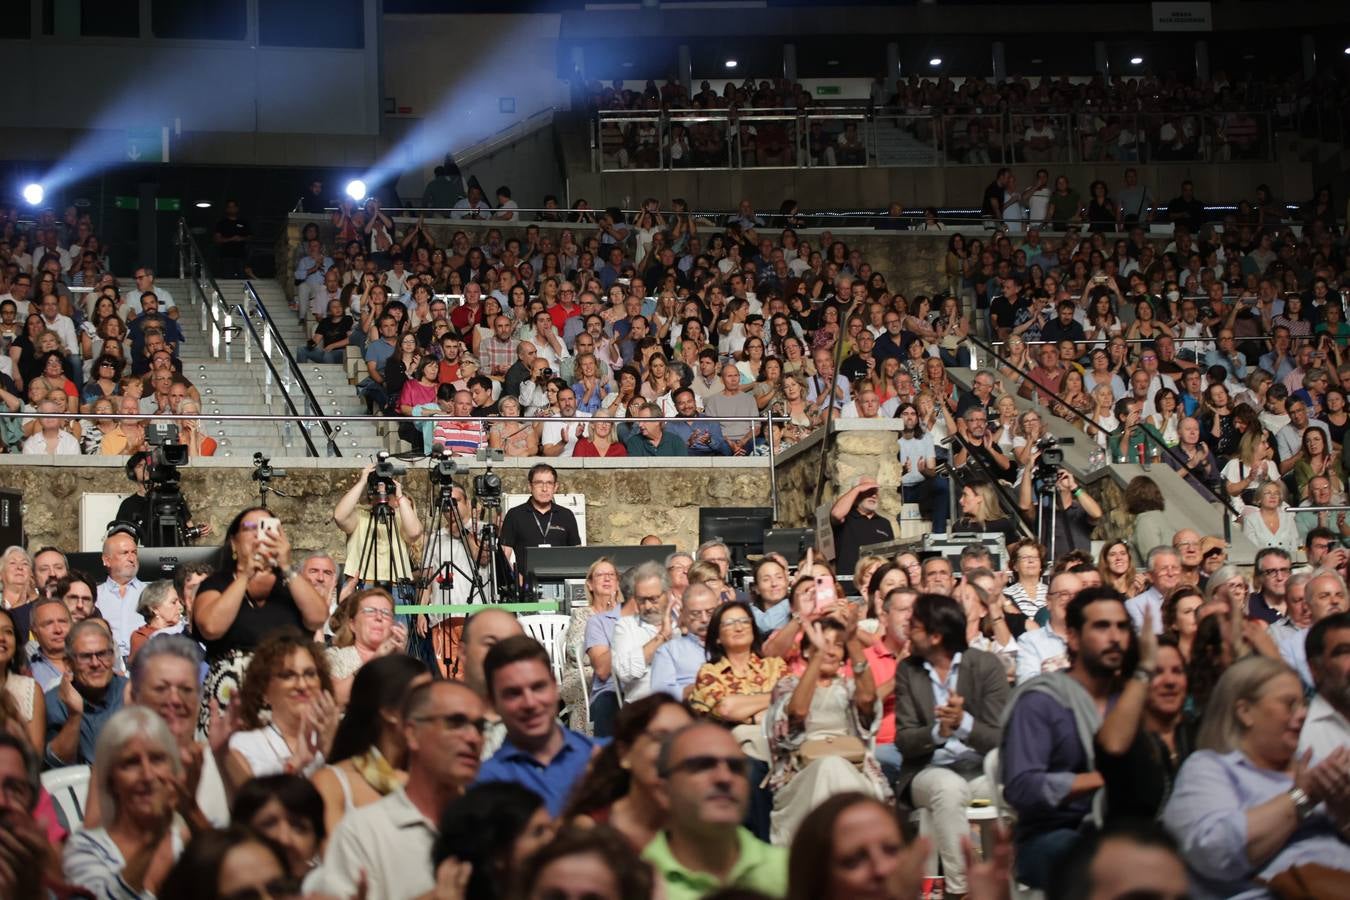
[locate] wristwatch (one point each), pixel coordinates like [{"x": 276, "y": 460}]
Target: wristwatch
[
  {"x": 860, "y": 667},
  {"x": 1142, "y": 675},
  {"x": 1303, "y": 805}
]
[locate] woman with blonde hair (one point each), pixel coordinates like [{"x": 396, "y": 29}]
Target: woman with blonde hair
[
  {"x": 604, "y": 598},
  {"x": 514, "y": 439},
  {"x": 1247, "y": 806},
  {"x": 1270, "y": 523},
  {"x": 981, "y": 511},
  {"x": 364, "y": 629}
]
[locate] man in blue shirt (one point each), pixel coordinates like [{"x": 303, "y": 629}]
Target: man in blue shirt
[
  {"x": 538, "y": 753},
  {"x": 676, "y": 663},
  {"x": 701, "y": 436},
  {"x": 376, "y": 355},
  {"x": 78, "y": 709}
]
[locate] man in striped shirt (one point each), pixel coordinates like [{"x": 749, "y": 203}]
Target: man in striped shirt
[{"x": 462, "y": 435}]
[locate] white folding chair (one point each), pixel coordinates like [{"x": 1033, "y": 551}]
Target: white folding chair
[
  {"x": 69, "y": 787},
  {"x": 548, "y": 629}
]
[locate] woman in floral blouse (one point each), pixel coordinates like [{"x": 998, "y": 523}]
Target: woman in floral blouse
[{"x": 735, "y": 683}]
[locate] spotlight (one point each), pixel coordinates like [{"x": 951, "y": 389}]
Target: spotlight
[
  {"x": 203, "y": 204},
  {"x": 1136, "y": 60},
  {"x": 731, "y": 64},
  {"x": 1347, "y": 51},
  {"x": 935, "y": 61},
  {"x": 356, "y": 189},
  {"x": 33, "y": 194}
]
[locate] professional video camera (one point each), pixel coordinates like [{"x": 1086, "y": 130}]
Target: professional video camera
[
  {"x": 385, "y": 472},
  {"x": 1049, "y": 462},
  {"x": 263, "y": 470},
  {"x": 444, "y": 468},
  {"x": 166, "y": 453},
  {"x": 487, "y": 488}
]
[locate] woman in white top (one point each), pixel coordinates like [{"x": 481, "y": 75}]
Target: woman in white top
[
  {"x": 1008, "y": 425},
  {"x": 363, "y": 629},
  {"x": 288, "y": 676},
  {"x": 1252, "y": 467},
  {"x": 1270, "y": 523},
  {"x": 139, "y": 779},
  {"x": 1103, "y": 414},
  {"x": 367, "y": 757},
  {"x": 19, "y": 693},
  {"x": 1168, "y": 417}
]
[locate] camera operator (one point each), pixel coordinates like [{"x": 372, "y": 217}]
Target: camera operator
[
  {"x": 452, "y": 564},
  {"x": 539, "y": 522},
  {"x": 1076, "y": 511},
  {"x": 136, "y": 508},
  {"x": 371, "y": 559}
]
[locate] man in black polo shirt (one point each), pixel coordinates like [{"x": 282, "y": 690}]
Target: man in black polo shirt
[
  {"x": 856, "y": 523},
  {"x": 992, "y": 205},
  {"x": 540, "y": 522}
]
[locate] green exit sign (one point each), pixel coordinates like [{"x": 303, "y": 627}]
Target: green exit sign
[{"x": 828, "y": 90}]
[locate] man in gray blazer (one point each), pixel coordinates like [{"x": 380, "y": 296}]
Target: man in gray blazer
[{"x": 948, "y": 705}]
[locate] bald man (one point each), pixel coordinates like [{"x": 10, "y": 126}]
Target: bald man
[{"x": 483, "y": 631}]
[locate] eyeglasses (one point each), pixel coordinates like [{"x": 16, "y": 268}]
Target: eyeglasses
[
  {"x": 287, "y": 675},
  {"x": 736, "y": 623},
  {"x": 696, "y": 765},
  {"x": 1281, "y": 571},
  {"x": 376, "y": 612},
  {"x": 455, "y": 722},
  {"x": 102, "y": 656}
]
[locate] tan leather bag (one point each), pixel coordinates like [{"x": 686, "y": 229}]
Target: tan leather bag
[
  {"x": 850, "y": 748},
  {"x": 1310, "y": 881}
]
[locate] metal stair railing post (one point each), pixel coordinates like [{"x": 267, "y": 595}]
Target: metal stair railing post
[
  {"x": 292, "y": 373},
  {"x": 251, "y": 331}
]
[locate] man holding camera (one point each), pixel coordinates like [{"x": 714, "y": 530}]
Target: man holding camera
[
  {"x": 1075, "y": 511},
  {"x": 377, "y": 542}
]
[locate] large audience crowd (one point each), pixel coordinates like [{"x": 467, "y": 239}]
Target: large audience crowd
[
  {"x": 1153, "y": 721},
  {"x": 970, "y": 120}
]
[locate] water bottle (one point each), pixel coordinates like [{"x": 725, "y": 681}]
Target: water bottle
[{"x": 288, "y": 435}]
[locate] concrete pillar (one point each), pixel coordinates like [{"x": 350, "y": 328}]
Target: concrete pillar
[
  {"x": 1000, "y": 62},
  {"x": 1100, "y": 62},
  {"x": 790, "y": 62},
  {"x": 1309, "y": 45},
  {"x": 685, "y": 66},
  {"x": 1202, "y": 60},
  {"x": 892, "y": 66}
]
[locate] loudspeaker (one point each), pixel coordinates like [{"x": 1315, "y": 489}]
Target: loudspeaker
[{"x": 11, "y": 518}]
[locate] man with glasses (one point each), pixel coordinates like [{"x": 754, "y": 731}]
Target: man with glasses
[
  {"x": 79, "y": 707},
  {"x": 1273, "y": 567},
  {"x": 1187, "y": 544},
  {"x": 539, "y": 522},
  {"x": 638, "y": 637},
  {"x": 538, "y": 752},
  {"x": 676, "y": 663},
  {"x": 145, "y": 282},
  {"x": 703, "y": 847},
  {"x": 387, "y": 844}
]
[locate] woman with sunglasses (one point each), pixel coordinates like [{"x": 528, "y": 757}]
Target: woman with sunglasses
[{"x": 255, "y": 592}]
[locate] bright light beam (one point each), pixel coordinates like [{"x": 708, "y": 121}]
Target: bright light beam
[
  {"x": 356, "y": 189},
  {"x": 33, "y": 194}
]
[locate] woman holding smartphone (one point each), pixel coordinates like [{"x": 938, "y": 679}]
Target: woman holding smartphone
[{"x": 255, "y": 592}]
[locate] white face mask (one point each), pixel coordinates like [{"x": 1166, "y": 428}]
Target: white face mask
[{"x": 1174, "y": 295}]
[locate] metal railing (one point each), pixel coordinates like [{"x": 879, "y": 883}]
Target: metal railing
[
  {"x": 271, "y": 377},
  {"x": 216, "y": 325},
  {"x": 272, "y": 342},
  {"x": 856, "y": 136}
]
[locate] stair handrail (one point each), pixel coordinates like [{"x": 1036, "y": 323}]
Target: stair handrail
[
  {"x": 272, "y": 336},
  {"x": 273, "y": 374}
]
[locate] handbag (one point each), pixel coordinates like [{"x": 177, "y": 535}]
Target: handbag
[
  {"x": 845, "y": 746},
  {"x": 1310, "y": 881}
]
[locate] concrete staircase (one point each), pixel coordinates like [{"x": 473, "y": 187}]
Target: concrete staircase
[
  {"x": 230, "y": 386},
  {"x": 896, "y": 146}
]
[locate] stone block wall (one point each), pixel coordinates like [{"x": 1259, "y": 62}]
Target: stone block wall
[{"x": 622, "y": 503}]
